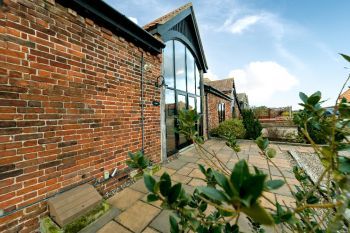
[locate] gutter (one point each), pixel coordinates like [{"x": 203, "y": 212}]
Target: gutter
[
  {"x": 212, "y": 90},
  {"x": 106, "y": 16}
]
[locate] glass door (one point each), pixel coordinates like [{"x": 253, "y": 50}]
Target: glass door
[
  {"x": 181, "y": 104},
  {"x": 170, "y": 111}
]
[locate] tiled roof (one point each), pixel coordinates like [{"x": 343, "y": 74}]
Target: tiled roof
[
  {"x": 167, "y": 17},
  {"x": 345, "y": 95},
  {"x": 224, "y": 85}
]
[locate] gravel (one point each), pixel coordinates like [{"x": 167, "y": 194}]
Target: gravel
[{"x": 310, "y": 163}]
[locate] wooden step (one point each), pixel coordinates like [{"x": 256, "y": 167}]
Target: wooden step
[{"x": 74, "y": 203}]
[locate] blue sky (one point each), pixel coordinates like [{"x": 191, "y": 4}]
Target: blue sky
[{"x": 273, "y": 49}]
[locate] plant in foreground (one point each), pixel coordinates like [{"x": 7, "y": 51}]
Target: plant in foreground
[{"x": 322, "y": 206}]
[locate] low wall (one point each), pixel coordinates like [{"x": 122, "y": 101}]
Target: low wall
[{"x": 280, "y": 130}]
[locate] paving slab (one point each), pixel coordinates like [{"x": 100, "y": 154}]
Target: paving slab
[
  {"x": 138, "y": 216},
  {"x": 161, "y": 222},
  {"x": 175, "y": 164},
  {"x": 150, "y": 230},
  {"x": 113, "y": 227},
  {"x": 180, "y": 178},
  {"x": 196, "y": 173},
  {"x": 165, "y": 169},
  {"x": 125, "y": 198},
  {"x": 188, "y": 158},
  {"x": 185, "y": 170}
]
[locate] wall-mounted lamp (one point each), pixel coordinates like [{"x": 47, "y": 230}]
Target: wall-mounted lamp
[
  {"x": 160, "y": 82},
  {"x": 147, "y": 67}
]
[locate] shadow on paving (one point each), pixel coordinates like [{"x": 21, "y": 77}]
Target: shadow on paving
[{"x": 136, "y": 215}]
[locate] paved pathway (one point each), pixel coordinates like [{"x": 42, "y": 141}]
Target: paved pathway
[{"x": 139, "y": 216}]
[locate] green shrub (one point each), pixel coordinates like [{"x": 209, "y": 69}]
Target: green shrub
[
  {"x": 251, "y": 124},
  {"x": 229, "y": 127}
]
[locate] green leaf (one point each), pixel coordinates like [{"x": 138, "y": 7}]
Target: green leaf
[
  {"x": 222, "y": 180},
  {"x": 201, "y": 167},
  {"x": 239, "y": 173},
  {"x": 344, "y": 164},
  {"x": 152, "y": 197},
  {"x": 314, "y": 98},
  {"x": 271, "y": 153},
  {"x": 174, "y": 227},
  {"x": 312, "y": 200},
  {"x": 194, "y": 223},
  {"x": 262, "y": 143},
  {"x": 303, "y": 97},
  {"x": 274, "y": 184},
  {"x": 131, "y": 155},
  {"x": 174, "y": 193},
  {"x": 213, "y": 193},
  {"x": 149, "y": 182},
  {"x": 346, "y": 57},
  {"x": 252, "y": 188},
  {"x": 258, "y": 214},
  {"x": 165, "y": 184}
]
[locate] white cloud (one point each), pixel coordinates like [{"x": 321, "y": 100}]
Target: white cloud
[
  {"x": 263, "y": 80},
  {"x": 272, "y": 23},
  {"x": 242, "y": 24},
  {"x": 210, "y": 75},
  {"x": 133, "y": 19}
]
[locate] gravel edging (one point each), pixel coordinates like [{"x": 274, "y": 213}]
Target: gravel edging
[{"x": 310, "y": 163}]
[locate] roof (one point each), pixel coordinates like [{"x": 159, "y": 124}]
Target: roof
[
  {"x": 224, "y": 85},
  {"x": 166, "y": 17},
  {"x": 214, "y": 91},
  {"x": 346, "y": 95},
  {"x": 242, "y": 97},
  {"x": 106, "y": 16},
  {"x": 180, "y": 24}
]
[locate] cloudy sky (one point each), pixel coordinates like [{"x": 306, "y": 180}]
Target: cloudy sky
[{"x": 273, "y": 49}]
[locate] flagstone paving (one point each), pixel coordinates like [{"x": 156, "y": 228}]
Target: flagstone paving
[{"x": 139, "y": 216}]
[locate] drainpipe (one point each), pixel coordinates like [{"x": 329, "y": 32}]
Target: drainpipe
[
  {"x": 142, "y": 106},
  {"x": 207, "y": 114}
]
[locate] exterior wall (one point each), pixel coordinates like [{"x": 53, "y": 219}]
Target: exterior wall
[
  {"x": 69, "y": 106},
  {"x": 212, "y": 111}
]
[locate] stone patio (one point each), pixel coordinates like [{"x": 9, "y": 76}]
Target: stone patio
[{"x": 139, "y": 216}]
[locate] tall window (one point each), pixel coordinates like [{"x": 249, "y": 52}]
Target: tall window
[
  {"x": 221, "y": 112},
  {"x": 182, "y": 79}
]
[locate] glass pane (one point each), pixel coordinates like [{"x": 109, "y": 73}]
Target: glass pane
[
  {"x": 181, "y": 104},
  {"x": 170, "y": 120},
  {"x": 198, "y": 105},
  {"x": 168, "y": 64},
  {"x": 180, "y": 73},
  {"x": 191, "y": 85},
  {"x": 191, "y": 103},
  {"x": 198, "y": 90}
]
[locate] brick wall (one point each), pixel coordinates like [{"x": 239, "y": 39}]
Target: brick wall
[
  {"x": 69, "y": 106},
  {"x": 213, "y": 116}
]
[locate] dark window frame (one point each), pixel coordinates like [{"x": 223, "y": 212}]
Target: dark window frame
[{"x": 221, "y": 112}]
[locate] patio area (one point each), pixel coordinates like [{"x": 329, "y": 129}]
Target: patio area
[{"x": 136, "y": 215}]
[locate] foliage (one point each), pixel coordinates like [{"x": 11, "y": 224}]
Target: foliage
[
  {"x": 137, "y": 161},
  {"x": 320, "y": 207},
  {"x": 231, "y": 127},
  {"x": 88, "y": 218},
  {"x": 251, "y": 124},
  {"x": 49, "y": 226},
  {"x": 261, "y": 111}
]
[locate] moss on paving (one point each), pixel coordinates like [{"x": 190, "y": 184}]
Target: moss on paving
[{"x": 50, "y": 227}]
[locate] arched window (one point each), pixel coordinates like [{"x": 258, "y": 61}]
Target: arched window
[{"x": 182, "y": 79}]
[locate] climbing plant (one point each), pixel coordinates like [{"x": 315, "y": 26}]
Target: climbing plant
[{"x": 322, "y": 206}]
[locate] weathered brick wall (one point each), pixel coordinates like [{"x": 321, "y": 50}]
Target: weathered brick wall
[
  {"x": 69, "y": 106},
  {"x": 213, "y": 116}
]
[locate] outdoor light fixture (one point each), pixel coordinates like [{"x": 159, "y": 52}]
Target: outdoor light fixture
[
  {"x": 161, "y": 80},
  {"x": 147, "y": 67}
]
